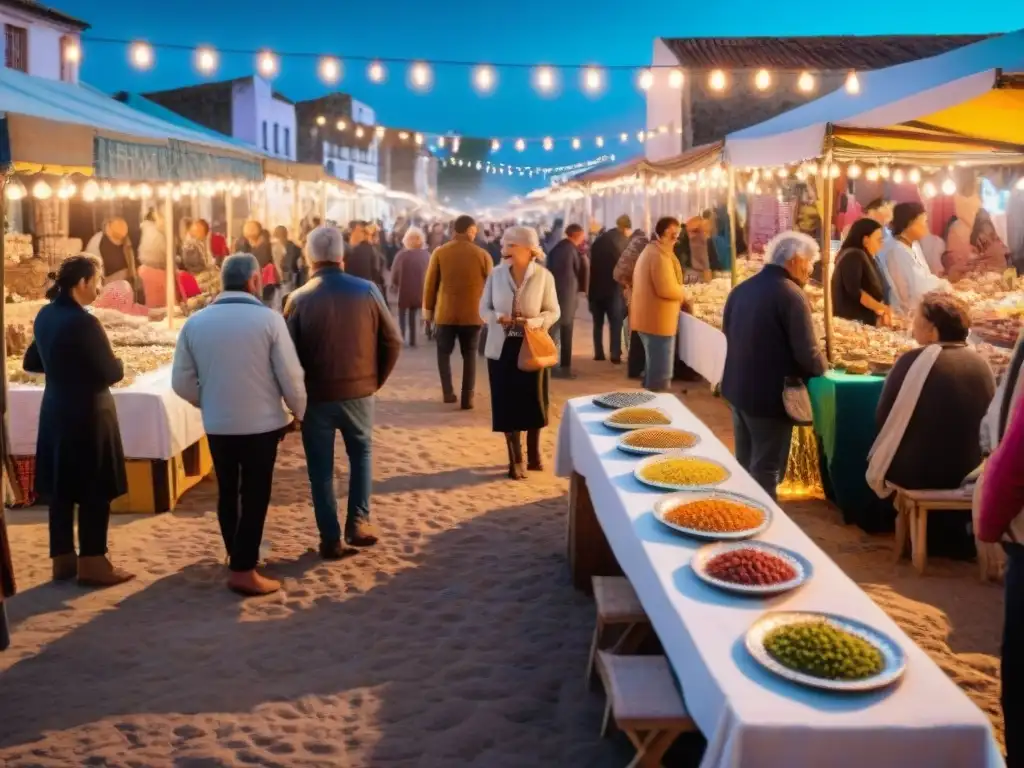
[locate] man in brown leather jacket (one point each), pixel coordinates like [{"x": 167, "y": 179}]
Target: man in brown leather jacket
[{"x": 348, "y": 345}]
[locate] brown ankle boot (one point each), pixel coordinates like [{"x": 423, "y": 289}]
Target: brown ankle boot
[
  {"x": 513, "y": 441},
  {"x": 98, "y": 571},
  {"x": 533, "y": 460},
  {"x": 65, "y": 567}
]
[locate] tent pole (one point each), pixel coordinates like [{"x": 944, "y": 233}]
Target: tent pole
[
  {"x": 7, "y": 465},
  {"x": 826, "y": 244},
  {"x": 296, "y": 209},
  {"x": 647, "y": 205},
  {"x": 229, "y": 214},
  {"x": 734, "y": 266},
  {"x": 170, "y": 281}
]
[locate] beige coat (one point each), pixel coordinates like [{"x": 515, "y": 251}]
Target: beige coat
[
  {"x": 455, "y": 282},
  {"x": 657, "y": 292}
]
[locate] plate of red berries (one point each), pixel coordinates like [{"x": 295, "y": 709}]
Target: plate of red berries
[{"x": 750, "y": 567}]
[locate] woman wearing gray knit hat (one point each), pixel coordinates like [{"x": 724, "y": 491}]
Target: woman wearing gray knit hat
[{"x": 519, "y": 293}]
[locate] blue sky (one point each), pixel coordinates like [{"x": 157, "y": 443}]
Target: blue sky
[{"x": 534, "y": 31}]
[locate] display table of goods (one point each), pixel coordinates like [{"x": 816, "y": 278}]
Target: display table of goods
[
  {"x": 769, "y": 681},
  {"x": 162, "y": 435}
]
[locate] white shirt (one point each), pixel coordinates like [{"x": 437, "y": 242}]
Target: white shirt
[{"x": 907, "y": 275}]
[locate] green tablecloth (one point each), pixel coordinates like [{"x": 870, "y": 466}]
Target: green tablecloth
[{"x": 844, "y": 419}]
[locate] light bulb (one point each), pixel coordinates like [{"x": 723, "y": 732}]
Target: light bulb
[
  {"x": 123, "y": 190},
  {"x": 805, "y": 82},
  {"x": 403, "y": 135},
  {"x": 41, "y": 190},
  {"x": 520, "y": 145},
  {"x": 548, "y": 143},
  {"x": 592, "y": 79},
  {"x": 575, "y": 143},
  {"x": 599, "y": 141},
  {"x": 330, "y": 70},
  {"x": 871, "y": 174},
  {"x": 73, "y": 53},
  {"x": 15, "y": 190},
  {"x": 1020, "y": 183},
  {"x": 852, "y": 83},
  {"x": 853, "y": 171},
  {"x": 91, "y": 191},
  {"x": 379, "y": 131},
  {"x": 267, "y": 64},
  {"x": 949, "y": 187},
  {"x": 640, "y": 135},
  {"x": 928, "y": 190},
  {"x": 341, "y": 125},
  {"x": 142, "y": 55},
  {"x": 321, "y": 120},
  {"x": 484, "y": 79},
  {"x": 623, "y": 137},
  {"x": 545, "y": 79},
  {"x": 66, "y": 190},
  {"x": 376, "y": 72},
  {"x": 897, "y": 176},
  {"x": 418, "y": 138},
  {"x": 206, "y": 60},
  {"x": 662, "y": 129},
  {"x": 145, "y": 191},
  {"x": 763, "y": 80},
  {"x": 675, "y": 78},
  {"x": 360, "y": 132},
  {"x": 833, "y": 171},
  {"x": 455, "y": 145},
  {"x": 420, "y": 75},
  {"x": 716, "y": 80},
  {"x": 495, "y": 145},
  {"x": 884, "y": 172},
  {"x": 645, "y": 80},
  {"x": 914, "y": 176}
]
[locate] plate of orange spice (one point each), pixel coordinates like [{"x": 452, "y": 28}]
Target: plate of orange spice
[{"x": 713, "y": 514}]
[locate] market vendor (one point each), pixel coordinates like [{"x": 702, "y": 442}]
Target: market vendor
[
  {"x": 929, "y": 417},
  {"x": 902, "y": 263},
  {"x": 114, "y": 248},
  {"x": 195, "y": 251},
  {"x": 153, "y": 259},
  {"x": 857, "y": 289},
  {"x": 972, "y": 244}
]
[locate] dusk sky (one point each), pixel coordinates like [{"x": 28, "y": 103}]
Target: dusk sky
[{"x": 528, "y": 31}]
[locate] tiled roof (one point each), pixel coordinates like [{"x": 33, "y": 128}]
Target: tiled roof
[
  {"x": 42, "y": 11},
  {"x": 821, "y": 53}
]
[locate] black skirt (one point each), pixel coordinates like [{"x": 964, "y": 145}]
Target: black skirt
[{"x": 519, "y": 399}]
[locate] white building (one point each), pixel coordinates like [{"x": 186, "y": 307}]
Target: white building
[{"x": 41, "y": 41}]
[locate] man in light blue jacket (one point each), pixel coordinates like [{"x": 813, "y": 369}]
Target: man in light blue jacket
[{"x": 236, "y": 362}]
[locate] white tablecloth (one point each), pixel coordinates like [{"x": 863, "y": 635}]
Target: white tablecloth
[
  {"x": 702, "y": 347},
  {"x": 751, "y": 718},
  {"x": 155, "y": 422}
]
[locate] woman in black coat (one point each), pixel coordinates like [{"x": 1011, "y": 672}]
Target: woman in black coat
[
  {"x": 858, "y": 292},
  {"x": 79, "y": 459}
]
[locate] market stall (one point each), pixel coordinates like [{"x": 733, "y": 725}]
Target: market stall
[{"x": 750, "y": 716}]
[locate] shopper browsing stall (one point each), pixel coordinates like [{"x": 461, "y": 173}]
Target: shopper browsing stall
[{"x": 901, "y": 261}]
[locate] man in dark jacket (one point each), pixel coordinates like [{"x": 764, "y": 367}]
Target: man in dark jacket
[
  {"x": 348, "y": 345},
  {"x": 603, "y": 293},
  {"x": 770, "y": 335},
  {"x": 362, "y": 258},
  {"x": 572, "y": 273}
]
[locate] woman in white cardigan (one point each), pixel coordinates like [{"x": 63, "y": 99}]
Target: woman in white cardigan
[{"x": 519, "y": 292}]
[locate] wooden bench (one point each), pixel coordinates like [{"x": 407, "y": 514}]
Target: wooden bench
[
  {"x": 644, "y": 703},
  {"x": 912, "y": 510},
  {"x": 617, "y": 606}
]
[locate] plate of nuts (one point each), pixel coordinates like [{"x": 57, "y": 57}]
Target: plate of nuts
[{"x": 750, "y": 567}]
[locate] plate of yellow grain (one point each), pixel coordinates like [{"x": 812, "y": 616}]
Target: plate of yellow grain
[
  {"x": 678, "y": 471},
  {"x": 637, "y": 418},
  {"x": 713, "y": 514},
  {"x": 648, "y": 440}
]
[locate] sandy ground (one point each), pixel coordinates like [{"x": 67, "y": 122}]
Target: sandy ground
[{"x": 456, "y": 641}]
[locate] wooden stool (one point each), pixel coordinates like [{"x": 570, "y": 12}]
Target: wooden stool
[
  {"x": 645, "y": 704},
  {"x": 912, "y": 508},
  {"x": 617, "y": 606}
]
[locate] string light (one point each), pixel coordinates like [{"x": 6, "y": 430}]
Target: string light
[
  {"x": 575, "y": 143},
  {"x": 833, "y": 171},
  {"x": 379, "y": 131},
  {"x": 599, "y": 141},
  {"x": 548, "y": 143},
  {"x": 330, "y": 70},
  {"x": 914, "y": 176},
  {"x": 640, "y": 136},
  {"x": 871, "y": 174},
  {"x": 376, "y": 72},
  {"x": 592, "y": 79},
  {"x": 420, "y": 75},
  {"x": 440, "y": 142},
  {"x": 716, "y": 80},
  {"x": 545, "y": 79},
  {"x": 141, "y": 55},
  {"x": 91, "y": 191},
  {"x": 15, "y": 190},
  {"x": 928, "y": 190},
  {"x": 267, "y": 64},
  {"x": 495, "y": 145},
  {"x": 884, "y": 172},
  {"x": 1020, "y": 184},
  {"x": 455, "y": 145},
  {"x": 623, "y": 137},
  {"x": 41, "y": 190},
  {"x": 805, "y": 82},
  {"x": 853, "y": 171},
  {"x": 360, "y": 132},
  {"x": 66, "y": 190},
  {"x": 321, "y": 120},
  {"x": 418, "y": 138},
  {"x": 206, "y": 61},
  {"x": 763, "y": 80},
  {"x": 73, "y": 53},
  {"x": 949, "y": 187},
  {"x": 675, "y": 78},
  {"x": 484, "y": 79},
  {"x": 645, "y": 79},
  {"x": 897, "y": 176},
  {"x": 852, "y": 84},
  {"x": 341, "y": 125},
  {"x": 520, "y": 145}
]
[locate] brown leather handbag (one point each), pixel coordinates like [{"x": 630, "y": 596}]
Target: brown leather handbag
[{"x": 538, "y": 350}]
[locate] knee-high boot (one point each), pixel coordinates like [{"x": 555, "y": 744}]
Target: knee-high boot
[
  {"x": 533, "y": 459},
  {"x": 513, "y": 441}
]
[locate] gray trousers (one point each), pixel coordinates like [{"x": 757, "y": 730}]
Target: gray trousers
[{"x": 762, "y": 447}]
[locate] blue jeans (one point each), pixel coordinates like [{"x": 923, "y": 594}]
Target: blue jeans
[
  {"x": 660, "y": 352},
  {"x": 354, "y": 419}
]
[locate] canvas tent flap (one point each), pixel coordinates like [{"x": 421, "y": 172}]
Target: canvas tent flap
[
  {"x": 888, "y": 97},
  {"x": 128, "y": 145}
]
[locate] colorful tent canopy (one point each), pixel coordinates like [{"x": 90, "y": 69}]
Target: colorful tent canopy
[
  {"x": 63, "y": 125},
  {"x": 960, "y": 103}
]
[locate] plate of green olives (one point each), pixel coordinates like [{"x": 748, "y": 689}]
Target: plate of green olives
[{"x": 826, "y": 651}]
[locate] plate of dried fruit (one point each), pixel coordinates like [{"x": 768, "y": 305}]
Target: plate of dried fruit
[
  {"x": 826, "y": 651},
  {"x": 713, "y": 514},
  {"x": 637, "y": 418},
  {"x": 750, "y": 567},
  {"x": 648, "y": 440}
]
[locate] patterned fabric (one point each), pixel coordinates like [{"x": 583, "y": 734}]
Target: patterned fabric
[{"x": 118, "y": 295}]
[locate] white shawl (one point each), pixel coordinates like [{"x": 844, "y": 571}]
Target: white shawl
[{"x": 891, "y": 435}]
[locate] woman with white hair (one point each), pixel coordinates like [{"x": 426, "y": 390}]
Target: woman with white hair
[
  {"x": 772, "y": 347},
  {"x": 408, "y": 274},
  {"x": 518, "y": 293}
]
